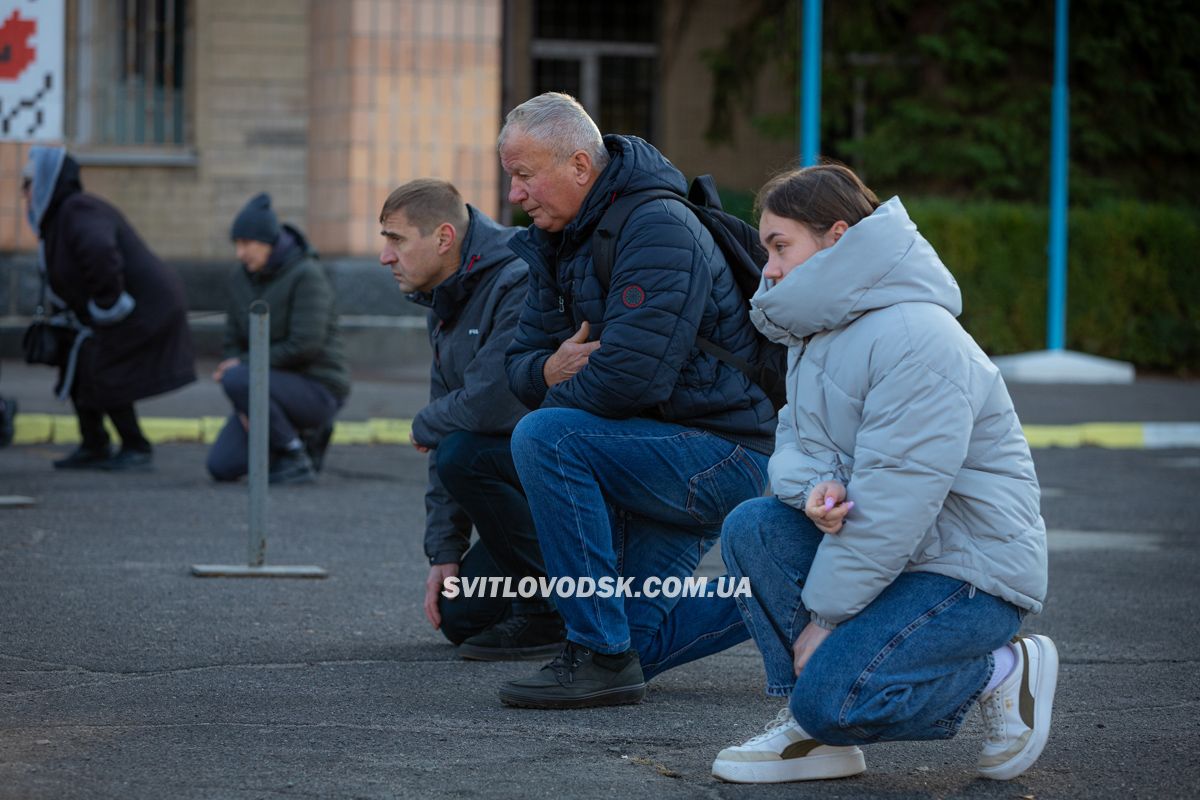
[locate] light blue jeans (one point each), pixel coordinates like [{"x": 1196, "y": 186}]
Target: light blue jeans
[
  {"x": 634, "y": 498},
  {"x": 907, "y": 667}
]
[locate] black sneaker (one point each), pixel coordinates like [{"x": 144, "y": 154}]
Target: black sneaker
[
  {"x": 316, "y": 442},
  {"x": 84, "y": 458},
  {"x": 517, "y": 638},
  {"x": 127, "y": 460},
  {"x": 579, "y": 678},
  {"x": 292, "y": 466}
]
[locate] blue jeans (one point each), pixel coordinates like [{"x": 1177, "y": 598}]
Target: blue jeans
[
  {"x": 907, "y": 667},
  {"x": 294, "y": 402},
  {"x": 634, "y": 498}
]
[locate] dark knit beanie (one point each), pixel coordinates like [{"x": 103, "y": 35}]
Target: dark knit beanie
[{"x": 256, "y": 221}]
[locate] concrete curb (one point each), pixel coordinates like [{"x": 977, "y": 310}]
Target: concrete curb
[{"x": 63, "y": 429}]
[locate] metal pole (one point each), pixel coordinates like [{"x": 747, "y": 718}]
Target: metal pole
[
  {"x": 260, "y": 358},
  {"x": 260, "y": 376},
  {"x": 1056, "y": 301},
  {"x": 810, "y": 97}
]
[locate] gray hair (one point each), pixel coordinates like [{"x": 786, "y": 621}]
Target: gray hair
[{"x": 559, "y": 121}]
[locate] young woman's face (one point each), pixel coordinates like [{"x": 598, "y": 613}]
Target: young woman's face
[{"x": 790, "y": 243}]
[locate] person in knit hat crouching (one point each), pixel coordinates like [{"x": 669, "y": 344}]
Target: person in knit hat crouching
[{"x": 309, "y": 378}]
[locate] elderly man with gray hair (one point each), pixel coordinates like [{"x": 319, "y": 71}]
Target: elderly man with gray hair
[{"x": 640, "y": 443}]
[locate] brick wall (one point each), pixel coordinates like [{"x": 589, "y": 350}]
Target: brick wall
[
  {"x": 326, "y": 104},
  {"x": 400, "y": 91}
]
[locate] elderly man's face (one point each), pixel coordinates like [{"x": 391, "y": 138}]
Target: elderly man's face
[{"x": 551, "y": 191}]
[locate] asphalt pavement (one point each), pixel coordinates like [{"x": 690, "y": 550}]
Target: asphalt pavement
[{"x": 122, "y": 676}]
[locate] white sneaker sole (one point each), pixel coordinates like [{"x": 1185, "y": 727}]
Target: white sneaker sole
[
  {"x": 1047, "y": 683},
  {"x": 807, "y": 768}
]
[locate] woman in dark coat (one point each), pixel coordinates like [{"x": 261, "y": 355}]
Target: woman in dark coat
[{"x": 135, "y": 341}]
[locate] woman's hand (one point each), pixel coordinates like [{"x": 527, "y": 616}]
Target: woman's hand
[
  {"x": 826, "y": 507},
  {"x": 806, "y": 644}
]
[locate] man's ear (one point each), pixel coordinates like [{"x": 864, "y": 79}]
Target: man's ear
[
  {"x": 581, "y": 166},
  {"x": 446, "y": 237}
]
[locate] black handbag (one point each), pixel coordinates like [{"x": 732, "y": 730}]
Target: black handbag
[
  {"x": 49, "y": 338},
  {"x": 47, "y": 341}
]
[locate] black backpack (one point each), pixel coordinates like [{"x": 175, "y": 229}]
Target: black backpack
[{"x": 739, "y": 243}]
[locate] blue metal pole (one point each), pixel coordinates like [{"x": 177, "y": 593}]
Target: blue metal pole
[
  {"x": 1056, "y": 300},
  {"x": 810, "y": 95}
]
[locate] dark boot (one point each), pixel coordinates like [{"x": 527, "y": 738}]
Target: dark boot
[
  {"x": 316, "y": 442},
  {"x": 129, "y": 459},
  {"x": 85, "y": 458},
  {"x": 8, "y": 411},
  {"x": 517, "y": 638},
  {"x": 292, "y": 466},
  {"x": 579, "y": 678}
]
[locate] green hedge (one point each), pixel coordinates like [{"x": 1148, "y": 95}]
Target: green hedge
[
  {"x": 1133, "y": 277},
  {"x": 1133, "y": 282}
]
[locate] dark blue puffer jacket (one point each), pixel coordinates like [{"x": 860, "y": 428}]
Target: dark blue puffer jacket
[{"x": 670, "y": 283}]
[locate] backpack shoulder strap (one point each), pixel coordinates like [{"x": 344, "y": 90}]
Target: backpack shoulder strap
[
  {"x": 604, "y": 253},
  {"x": 612, "y": 222}
]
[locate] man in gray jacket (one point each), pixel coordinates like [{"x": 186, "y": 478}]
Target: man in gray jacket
[{"x": 452, "y": 258}]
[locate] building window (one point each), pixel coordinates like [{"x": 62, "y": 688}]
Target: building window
[
  {"x": 130, "y": 73},
  {"x": 605, "y": 54}
]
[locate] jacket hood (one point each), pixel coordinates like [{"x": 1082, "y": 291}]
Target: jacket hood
[
  {"x": 485, "y": 247},
  {"x": 55, "y": 176},
  {"x": 879, "y": 262},
  {"x": 634, "y": 165},
  {"x": 291, "y": 247}
]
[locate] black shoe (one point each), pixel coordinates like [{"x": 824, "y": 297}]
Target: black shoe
[
  {"x": 85, "y": 458},
  {"x": 520, "y": 637},
  {"x": 127, "y": 460},
  {"x": 579, "y": 678},
  {"x": 292, "y": 466},
  {"x": 8, "y": 410},
  {"x": 316, "y": 442}
]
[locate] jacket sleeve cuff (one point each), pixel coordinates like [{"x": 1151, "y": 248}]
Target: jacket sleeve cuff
[
  {"x": 537, "y": 377},
  {"x": 111, "y": 316},
  {"x": 445, "y": 557},
  {"x": 821, "y": 622}
]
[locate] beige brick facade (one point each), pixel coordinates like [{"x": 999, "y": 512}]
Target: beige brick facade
[
  {"x": 399, "y": 91},
  {"x": 326, "y": 104},
  {"x": 330, "y": 104}
]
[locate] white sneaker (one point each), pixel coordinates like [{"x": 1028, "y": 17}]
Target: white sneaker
[
  {"x": 786, "y": 753},
  {"x": 1016, "y": 714}
]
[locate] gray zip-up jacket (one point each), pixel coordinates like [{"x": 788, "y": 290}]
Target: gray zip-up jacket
[
  {"x": 892, "y": 397},
  {"x": 472, "y": 318}
]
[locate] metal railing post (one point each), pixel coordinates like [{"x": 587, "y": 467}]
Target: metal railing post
[
  {"x": 259, "y": 455},
  {"x": 259, "y": 467}
]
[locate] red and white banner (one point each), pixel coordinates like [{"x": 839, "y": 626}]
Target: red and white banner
[{"x": 31, "y": 70}]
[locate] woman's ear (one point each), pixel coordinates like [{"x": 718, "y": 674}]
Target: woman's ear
[{"x": 836, "y": 230}]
